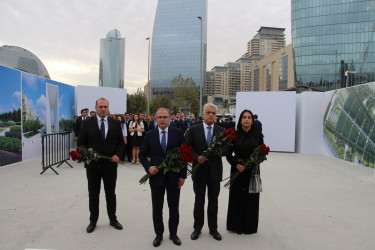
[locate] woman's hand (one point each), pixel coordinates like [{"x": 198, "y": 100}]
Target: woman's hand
[{"x": 240, "y": 168}]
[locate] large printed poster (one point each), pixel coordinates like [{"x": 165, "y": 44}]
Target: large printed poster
[
  {"x": 47, "y": 107},
  {"x": 10, "y": 116},
  {"x": 349, "y": 124}
]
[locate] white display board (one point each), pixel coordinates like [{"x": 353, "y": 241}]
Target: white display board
[
  {"x": 86, "y": 97},
  {"x": 309, "y": 125},
  {"x": 277, "y": 113}
]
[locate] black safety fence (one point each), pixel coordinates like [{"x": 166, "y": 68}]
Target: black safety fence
[{"x": 55, "y": 150}]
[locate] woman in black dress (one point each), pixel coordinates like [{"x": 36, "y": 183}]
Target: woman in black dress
[{"x": 243, "y": 207}]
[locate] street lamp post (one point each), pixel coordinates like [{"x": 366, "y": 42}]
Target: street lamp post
[
  {"x": 148, "y": 77},
  {"x": 201, "y": 84}
]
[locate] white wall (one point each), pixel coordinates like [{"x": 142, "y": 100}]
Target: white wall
[
  {"x": 86, "y": 97},
  {"x": 277, "y": 113},
  {"x": 309, "y": 125}
]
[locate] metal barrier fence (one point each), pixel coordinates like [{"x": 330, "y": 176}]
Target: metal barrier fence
[{"x": 55, "y": 150}]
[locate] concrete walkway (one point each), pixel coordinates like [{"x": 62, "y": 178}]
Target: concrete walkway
[{"x": 308, "y": 202}]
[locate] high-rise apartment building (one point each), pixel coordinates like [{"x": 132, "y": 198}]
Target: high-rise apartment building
[
  {"x": 112, "y": 60},
  {"x": 178, "y": 41},
  {"x": 333, "y": 42},
  {"x": 267, "y": 41},
  {"x": 228, "y": 80}
]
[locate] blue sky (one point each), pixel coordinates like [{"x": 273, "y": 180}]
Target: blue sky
[{"x": 10, "y": 85}]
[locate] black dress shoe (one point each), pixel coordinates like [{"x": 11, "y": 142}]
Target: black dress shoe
[
  {"x": 157, "y": 240},
  {"x": 116, "y": 224},
  {"x": 216, "y": 235},
  {"x": 91, "y": 227},
  {"x": 195, "y": 234},
  {"x": 175, "y": 239}
]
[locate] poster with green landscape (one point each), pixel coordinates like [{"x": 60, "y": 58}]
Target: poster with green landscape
[
  {"x": 10, "y": 116},
  {"x": 349, "y": 124}
]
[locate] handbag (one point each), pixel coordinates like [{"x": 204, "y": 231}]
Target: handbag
[{"x": 255, "y": 184}]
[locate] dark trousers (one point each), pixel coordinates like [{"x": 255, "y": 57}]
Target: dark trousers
[
  {"x": 128, "y": 149},
  {"x": 213, "y": 190},
  {"x": 94, "y": 177},
  {"x": 173, "y": 199}
]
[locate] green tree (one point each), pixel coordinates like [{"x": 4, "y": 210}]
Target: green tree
[
  {"x": 137, "y": 102},
  {"x": 184, "y": 90},
  {"x": 162, "y": 101},
  {"x": 194, "y": 107}
]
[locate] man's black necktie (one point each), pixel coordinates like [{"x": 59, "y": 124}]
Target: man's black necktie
[{"x": 102, "y": 128}]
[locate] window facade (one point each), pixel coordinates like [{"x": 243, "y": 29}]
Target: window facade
[
  {"x": 333, "y": 42},
  {"x": 176, "y": 43},
  {"x": 283, "y": 73}
]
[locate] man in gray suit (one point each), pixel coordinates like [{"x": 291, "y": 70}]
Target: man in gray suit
[{"x": 209, "y": 174}]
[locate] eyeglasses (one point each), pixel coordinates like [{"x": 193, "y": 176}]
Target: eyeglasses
[{"x": 162, "y": 117}]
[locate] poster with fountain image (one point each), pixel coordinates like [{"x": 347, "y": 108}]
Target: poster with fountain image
[{"x": 47, "y": 107}]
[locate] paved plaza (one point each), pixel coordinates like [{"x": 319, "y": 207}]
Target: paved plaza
[{"x": 308, "y": 202}]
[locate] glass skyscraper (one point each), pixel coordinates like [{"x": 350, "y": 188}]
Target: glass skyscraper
[
  {"x": 112, "y": 60},
  {"x": 333, "y": 42},
  {"x": 176, "y": 43}
]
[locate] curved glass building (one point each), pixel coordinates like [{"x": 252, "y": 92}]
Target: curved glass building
[
  {"x": 176, "y": 43},
  {"x": 333, "y": 42}
]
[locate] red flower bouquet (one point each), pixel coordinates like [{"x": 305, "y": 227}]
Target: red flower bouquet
[
  {"x": 252, "y": 163},
  {"x": 175, "y": 160},
  {"x": 218, "y": 144},
  {"x": 87, "y": 155}
]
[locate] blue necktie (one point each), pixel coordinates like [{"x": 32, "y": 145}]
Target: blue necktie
[
  {"x": 164, "y": 142},
  {"x": 209, "y": 136}
]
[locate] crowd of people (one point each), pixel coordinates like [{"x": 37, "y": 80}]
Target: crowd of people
[{"x": 145, "y": 139}]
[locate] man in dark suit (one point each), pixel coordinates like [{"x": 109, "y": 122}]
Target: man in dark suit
[
  {"x": 155, "y": 144},
  {"x": 257, "y": 123},
  {"x": 179, "y": 121},
  {"x": 78, "y": 124},
  {"x": 128, "y": 146},
  {"x": 103, "y": 134},
  {"x": 153, "y": 124},
  {"x": 209, "y": 174}
]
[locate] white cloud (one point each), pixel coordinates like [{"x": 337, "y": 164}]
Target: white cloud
[
  {"x": 41, "y": 105},
  {"x": 16, "y": 98}
]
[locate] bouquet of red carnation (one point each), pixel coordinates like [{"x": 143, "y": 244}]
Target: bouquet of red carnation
[
  {"x": 175, "y": 160},
  {"x": 218, "y": 144},
  {"x": 252, "y": 163},
  {"x": 87, "y": 155}
]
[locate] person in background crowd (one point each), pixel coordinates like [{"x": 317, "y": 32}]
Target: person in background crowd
[
  {"x": 145, "y": 123},
  {"x": 92, "y": 113},
  {"x": 75, "y": 117},
  {"x": 153, "y": 124},
  {"x": 78, "y": 124},
  {"x": 124, "y": 133},
  {"x": 179, "y": 122},
  {"x": 257, "y": 123},
  {"x": 136, "y": 128},
  {"x": 128, "y": 146}
]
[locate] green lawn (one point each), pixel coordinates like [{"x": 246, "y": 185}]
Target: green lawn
[{"x": 1, "y": 130}]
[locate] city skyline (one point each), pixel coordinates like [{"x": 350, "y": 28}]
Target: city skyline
[{"x": 65, "y": 34}]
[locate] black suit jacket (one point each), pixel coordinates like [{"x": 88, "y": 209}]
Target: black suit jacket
[
  {"x": 91, "y": 137},
  {"x": 151, "y": 146},
  {"x": 152, "y": 125},
  {"x": 77, "y": 126},
  {"x": 213, "y": 168}
]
